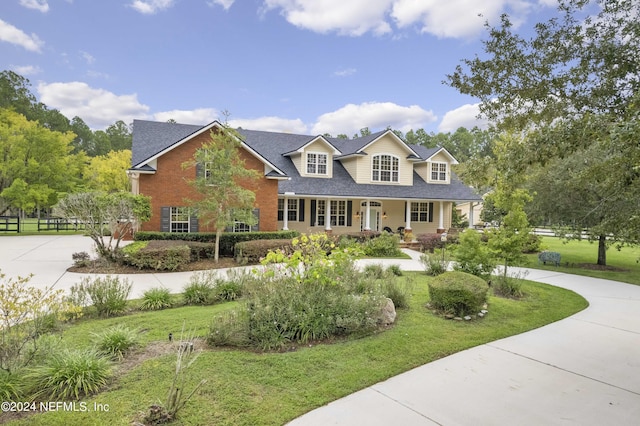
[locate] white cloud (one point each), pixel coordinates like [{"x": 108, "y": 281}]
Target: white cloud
[
  {"x": 271, "y": 124},
  {"x": 40, "y": 5},
  {"x": 26, "y": 69},
  {"x": 196, "y": 116},
  {"x": 345, "y": 72},
  {"x": 453, "y": 18},
  {"x": 374, "y": 115},
  {"x": 149, "y": 7},
  {"x": 350, "y": 17},
  {"x": 226, "y": 4},
  {"x": 13, "y": 35},
  {"x": 87, "y": 57},
  {"x": 99, "y": 108},
  {"x": 464, "y": 116}
]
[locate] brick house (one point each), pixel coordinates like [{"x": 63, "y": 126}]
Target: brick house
[{"x": 308, "y": 183}]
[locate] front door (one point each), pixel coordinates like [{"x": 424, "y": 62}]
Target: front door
[{"x": 374, "y": 219}]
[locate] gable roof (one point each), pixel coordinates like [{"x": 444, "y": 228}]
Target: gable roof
[{"x": 152, "y": 139}]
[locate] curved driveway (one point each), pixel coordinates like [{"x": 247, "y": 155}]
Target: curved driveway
[{"x": 583, "y": 370}]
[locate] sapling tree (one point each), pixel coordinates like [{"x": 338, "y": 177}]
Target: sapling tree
[
  {"x": 107, "y": 217},
  {"x": 221, "y": 181}
]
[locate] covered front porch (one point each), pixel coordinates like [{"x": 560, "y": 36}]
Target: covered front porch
[{"x": 350, "y": 215}]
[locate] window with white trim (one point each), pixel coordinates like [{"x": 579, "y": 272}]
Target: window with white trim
[
  {"x": 422, "y": 212},
  {"x": 316, "y": 163},
  {"x": 321, "y": 212},
  {"x": 241, "y": 227},
  {"x": 292, "y": 209},
  {"x": 338, "y": 213},
  {"x": 439, "y": 171},
  {"x": 384, "y": 168},
  {"x": 179, "y": 219}
]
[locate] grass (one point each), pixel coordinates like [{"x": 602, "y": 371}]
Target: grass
[
  {"x": 576, "y": 254},
  {"x": 246, "y": 388}
]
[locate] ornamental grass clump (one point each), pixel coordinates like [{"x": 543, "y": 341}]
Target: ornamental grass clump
[
  {"x": 156, "y": 298},
  {"x": 108, "y": 294},
  {"x": 116, "y": 341},
  {"x": 458, "y": 293},
  {"x": 70, "y": 374}
]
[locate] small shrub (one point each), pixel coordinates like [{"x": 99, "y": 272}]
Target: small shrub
[
  {"x": 430, "y": 242},
  {"x": 508, "y": 286},
  {"x": 399, "y": 291},
  {"x": 160, "y": 256},
  {"x": 374, "y": 270},
  {"x": 473, "y": 256},
  {"x": 434, "y": 264},
  {"x": 81, "y": 259},
  {"x": 253, "y": 251},
  {"x": 199, "y": 291},
  {"x": 533, "y": 244},
  {"x": 395, "y": 270},
  {"x": 70, "y": 375},
  {"x": 107, "y": 294},
  {"x": 227, "y": 290},
  {"x": 385, "y": 245},
  {"x": 230, "y": 328},
  {"x": 458, "y": 293},
  {"x": 155, "y": 299},
  {"x": 116, "y": 341}
]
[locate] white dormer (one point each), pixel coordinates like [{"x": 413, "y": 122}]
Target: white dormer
[
  {"x": 436, "y": 168},
  {"x": 315, "y": 158}
]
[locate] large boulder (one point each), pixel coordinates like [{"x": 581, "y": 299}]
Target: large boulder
[{"x": 387, "y": 313}]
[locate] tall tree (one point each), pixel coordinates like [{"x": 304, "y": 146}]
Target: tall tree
[
  {"x": 220, "y": 182},
  {"x": 573, "y": 84},
  {"x": 108, "y": 173},
  {"x": 36, "y": 163}
]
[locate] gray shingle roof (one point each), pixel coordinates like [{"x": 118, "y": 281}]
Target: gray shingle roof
[{"x": 150, "y": 138}]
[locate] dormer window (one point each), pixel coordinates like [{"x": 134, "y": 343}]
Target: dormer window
[
  {"x": 439, "y": 171},
  {"x": 384, "y": 168},
  {"x": 316, "y": 163}
]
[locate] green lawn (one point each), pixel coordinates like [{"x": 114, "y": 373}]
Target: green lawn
[
  {"x": 247, "y": 388},
  {"x": 576, "y": 254}
]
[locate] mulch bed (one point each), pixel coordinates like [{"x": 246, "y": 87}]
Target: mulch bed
[{"x": 102, "y": 267}]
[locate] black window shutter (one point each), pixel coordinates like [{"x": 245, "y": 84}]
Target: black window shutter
[
  {"x": 313, "y": 212},
  {"x": 165, "y": 219},
  {"x": 301, "y": 203},
  {"x": 256, "y": 214},
  {"x": 349, "y": 212},
  {"x": 199, "y": 170},
  {"x": 430, "y": 212},
  {"x": 193, "y": 222},
  {"x": 280, "y": 215}
]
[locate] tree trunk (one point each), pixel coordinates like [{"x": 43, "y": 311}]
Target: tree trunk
[
  {"x": 602, "y": 250},
  {"x": 216, "y": 256}
]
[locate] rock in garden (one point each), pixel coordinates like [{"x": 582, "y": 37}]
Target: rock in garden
[{"x": 388, "y": 313}]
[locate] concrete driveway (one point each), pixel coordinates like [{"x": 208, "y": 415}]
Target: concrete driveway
[{"x": 583, "y": 370}]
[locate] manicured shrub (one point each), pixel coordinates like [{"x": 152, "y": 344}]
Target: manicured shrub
[
  {"x": 108, "y": 294},
  {"x": 116, "y": 341},
  {"x": 458, "y": 293},
  {"x": 430, "y": 242},
  {"x": 160, "y": 255},
  {"x": 70, "y": 374},
  {"x": 155, "y": 299},
  {"x": 253, "y": 251},
  {"x": 227, "y": 290},
  {"x": 385, "y": 245}
]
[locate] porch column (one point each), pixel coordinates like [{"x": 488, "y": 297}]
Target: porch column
[
  {"x": 470, "y": 216},
  {"x": 285, "y": 215},
  {"x": 407, "y": 215},
  {"x": 327, "y": 217},
  {"x": 441, "y": 218},
  {"x": 135, "y": 182},
  {"x": 367, "y": 217}
]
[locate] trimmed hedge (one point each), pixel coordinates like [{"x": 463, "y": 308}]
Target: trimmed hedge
[
  {"x": 458, "y": 293},
  {"x": 253, "y": 251},
  {"x": 160, "y": 255},
  {"x": 228, "y": 240}
]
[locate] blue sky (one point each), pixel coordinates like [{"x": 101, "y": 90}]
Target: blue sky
[{"x": 300, "y": 66}]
